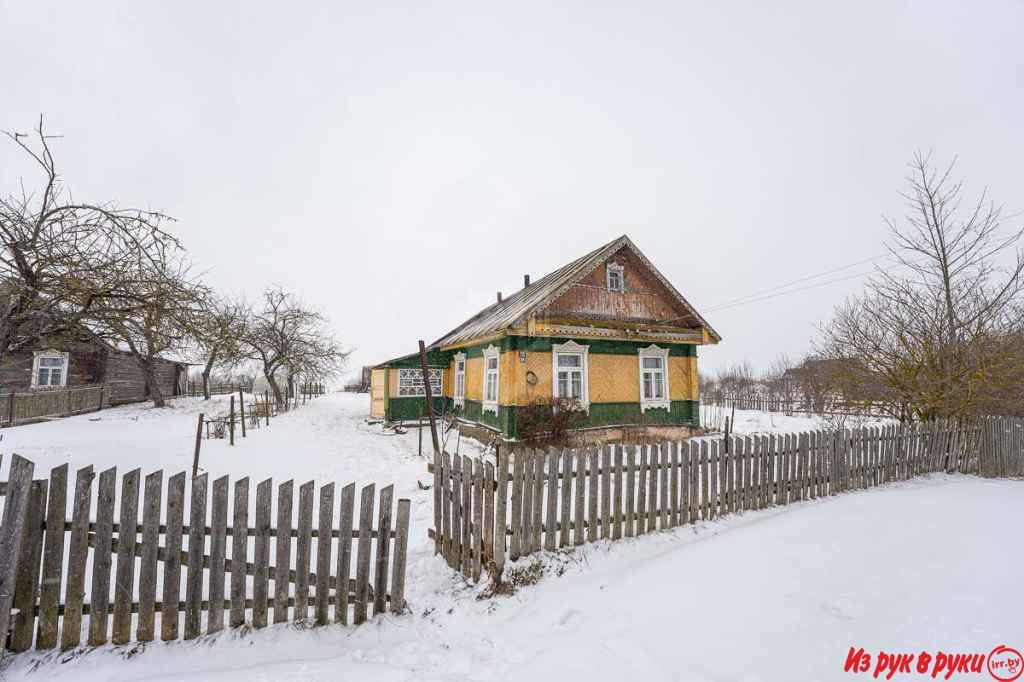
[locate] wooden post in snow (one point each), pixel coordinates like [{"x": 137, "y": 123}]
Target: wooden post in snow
[
  {"x": 241, "y": 408},
  {"x": 199, "y": 442},
  {"x": 231, "y": 420},
  {"x": 430, "y": 402}
]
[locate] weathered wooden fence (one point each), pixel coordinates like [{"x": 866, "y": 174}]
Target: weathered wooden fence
[
  {"x": 55, "y": 572},
  {"x": 38, "y": 405},
  {"x": 484, "y": 512}
]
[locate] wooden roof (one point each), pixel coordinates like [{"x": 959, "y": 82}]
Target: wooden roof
[{"x": 516, "y": 308}]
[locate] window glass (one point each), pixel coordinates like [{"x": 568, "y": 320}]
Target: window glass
[
  {"x": 652, "y": 363},
  {"x": 571, "y": 360}
]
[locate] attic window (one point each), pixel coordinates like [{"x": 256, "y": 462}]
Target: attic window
[
  {"x": 616, "y": 277},
  {"x": 49, "y": 369}
]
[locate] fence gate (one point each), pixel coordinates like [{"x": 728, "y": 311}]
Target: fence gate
[{"x": 189, "y": 556}]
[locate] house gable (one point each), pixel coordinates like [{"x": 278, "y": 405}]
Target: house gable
[{"x": 643, "y": 299}]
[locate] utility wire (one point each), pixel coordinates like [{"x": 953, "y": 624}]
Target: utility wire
[
  {"x": 742, "y": 302},
  {"x": 798, "y": 281}
]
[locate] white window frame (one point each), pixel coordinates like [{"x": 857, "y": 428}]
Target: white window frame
[
  {"x": 653, "y": 351},
  {"x": 618, "y": 270},
  {"x": 459, "y": 389},
  {"x": 51, "y": 354},
  {"x": 491, "y": 351},
  {"x": 571, "y": 348},
  {"x": 436, "y": 388}
]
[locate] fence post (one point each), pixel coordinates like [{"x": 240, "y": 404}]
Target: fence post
[
  {"x": 231, "y": 420},
  {"x": 266, "y": 402},
  {"x": 199, "y": 442},
  {"x": 15, "y": 510},
  {"x": 10, "y": 409},
  {"x": 241, "y": 408}
]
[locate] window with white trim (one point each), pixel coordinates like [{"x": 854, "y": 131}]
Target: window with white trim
[
  {"x": 654, "y": 378},
  {"x": 491, "y": 375},
  {"x": 460, "y": 379},
  {"x": 569, "y": 372},
  {"x": 616, "y": 277},
  {"x": 410, "y": 382},
  {"x": 49, "y": 369}
]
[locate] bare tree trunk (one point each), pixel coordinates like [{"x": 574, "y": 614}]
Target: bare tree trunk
[
  {"x": 207, "y": 370},
  {"x": 152, "y": 382},
  {"x": 275, "y": 388}
]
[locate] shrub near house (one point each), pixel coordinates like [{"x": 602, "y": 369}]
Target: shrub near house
[{"x": 607, "y": 332}]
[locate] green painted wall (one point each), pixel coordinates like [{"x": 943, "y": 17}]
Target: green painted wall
[{"x": 410, "y": 408}]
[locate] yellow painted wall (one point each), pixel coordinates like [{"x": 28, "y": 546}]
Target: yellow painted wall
[{"x": 611, "y": 378}]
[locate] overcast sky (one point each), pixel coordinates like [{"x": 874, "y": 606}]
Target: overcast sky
[{"x": 396, "y": 166}]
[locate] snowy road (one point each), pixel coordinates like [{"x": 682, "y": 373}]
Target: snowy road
[{"x": 774, "y": 595}]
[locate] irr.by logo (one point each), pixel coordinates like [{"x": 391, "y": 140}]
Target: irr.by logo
[{"x": 1004, "y": 664}]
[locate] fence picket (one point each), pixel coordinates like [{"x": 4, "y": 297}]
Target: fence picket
[
  {"x": 239, "y": 552},
  {"x": 78, "y": 548},
  {"x": 551, "y": 511},
  {"x": 500, "y": 521},
  {"x": 663, "y": 471},
  {"x": 640, "y": 518},
  {"x": 515, "y": 545},
  {"x": 99, "y": 602},
  {"x": 630, "y": 512},
  {"x": 380, "y": 580},
  {"x": 304, "y": 551},
  {"x": 652, "y": 488},
  {"x": 478, "y": 517},
  {"x": 261, "y": 554},
  {"x": 53, "y": 559},
  {"x": 538, "y": 500},
  {"x": 489, "y": 514},
  {"x": 616, "y": 514},
  {"x": 325, "y": 527},
  {"x": 363, "y": 554},
  {"x": 218, "y": 552},
  {"x": 713, "y": 466},
  {"x": 26, "y": 586},
  {"x": 346, "y": 516},
  {"x": 526, "y": 508},
  {"x": 124, "y": 581},
  {"x": 579, "y": 458},
  {"x": 283, "y": 550},
  {"x": 401, "y": 546},
  {"x": 593, "y": 522},
  {"x": 565, "y": 506},
  {"x": 196, "y": 551}
]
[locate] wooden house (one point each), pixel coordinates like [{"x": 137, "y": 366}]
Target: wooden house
[
  {"x": 607, "y": 331},
  {"x": 67, "y": 363}
]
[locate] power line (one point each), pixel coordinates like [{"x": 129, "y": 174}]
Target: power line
[
  {"x": 797, "y": 281},
  {"x": 743, "y": 302}
]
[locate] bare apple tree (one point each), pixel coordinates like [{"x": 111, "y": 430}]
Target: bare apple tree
[
  {"x": 220, "y": 328},
  {"x": 61, "y": 258},
  {"x": 289, "y": 340}
]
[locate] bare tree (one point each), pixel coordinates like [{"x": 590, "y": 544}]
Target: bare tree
[
  {"x": 930, "y": 337},
  {"x": 291, "y": 340},
  {"x": 60, "y": 258},
  {"x": 166, "y": 310},
  {"x": 220, "y": 328}
]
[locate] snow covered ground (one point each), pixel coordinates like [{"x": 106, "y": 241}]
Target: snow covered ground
[
  {"x": 774, "y": 595},
  {"x": 757, "y": 421}
]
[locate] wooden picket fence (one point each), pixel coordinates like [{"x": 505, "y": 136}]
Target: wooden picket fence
[
  {"x": 484, "y": 512},
  {"x": 55, "y": 572},
  {"x": 42, "y": 404}
]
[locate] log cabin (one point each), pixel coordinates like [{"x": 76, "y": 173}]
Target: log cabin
[
  {"x": 607, "y": 331},
  {"x": 66, "y": 363}
]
